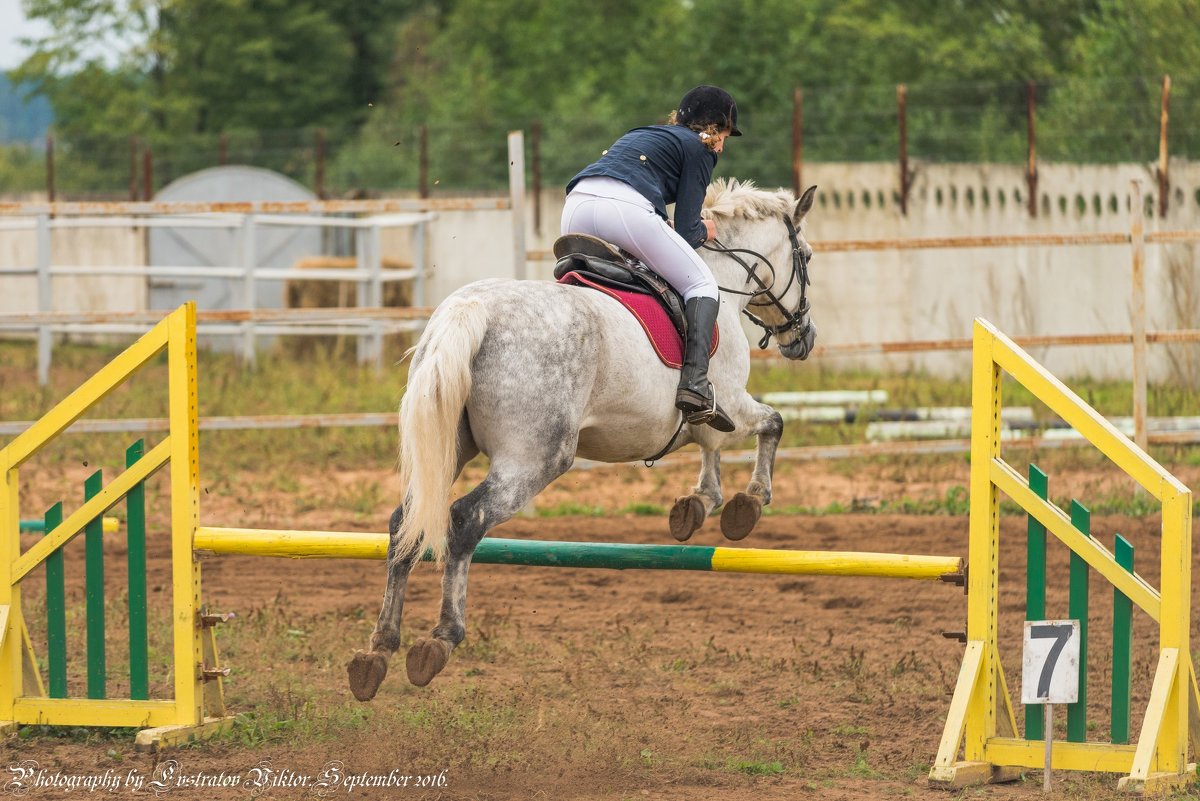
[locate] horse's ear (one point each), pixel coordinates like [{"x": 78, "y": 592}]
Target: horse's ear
[{"x": 804, "y": 204}]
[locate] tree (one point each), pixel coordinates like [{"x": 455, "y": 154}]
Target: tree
[{"x": 1107, "y": 106}]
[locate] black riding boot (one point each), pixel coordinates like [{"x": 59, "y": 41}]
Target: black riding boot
[{"x": 695, "y": 396}]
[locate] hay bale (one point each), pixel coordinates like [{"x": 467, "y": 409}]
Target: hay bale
[
  {"x": 312, "y": 294},
  {"x": 307, "y": 294}
]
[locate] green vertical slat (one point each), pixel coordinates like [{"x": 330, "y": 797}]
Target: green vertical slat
[
  {"x": 135, "y": 505},
  {"x": 1122, "y": 654},
  {"x": 1081, "y": 518},
  {"x": 94, "y": 548},
  {"x": 56, "y": 610},
  {"x": 1035, "y": 588}
]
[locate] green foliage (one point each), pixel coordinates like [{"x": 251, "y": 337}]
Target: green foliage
[{"x": 177, "y": 73}]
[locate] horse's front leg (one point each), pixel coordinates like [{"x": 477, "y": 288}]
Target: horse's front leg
[
  {"x": 689, "y": 512},
  {"x": 742, "y": 513}
]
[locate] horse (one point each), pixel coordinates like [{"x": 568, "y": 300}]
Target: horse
[{"x": 534, "y": 374}]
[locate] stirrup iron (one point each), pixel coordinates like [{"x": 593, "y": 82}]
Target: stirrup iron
[{"x": 709, "y": 415}]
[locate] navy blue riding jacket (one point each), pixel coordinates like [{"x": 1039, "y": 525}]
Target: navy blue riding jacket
[{"x": 666, "y": 164}]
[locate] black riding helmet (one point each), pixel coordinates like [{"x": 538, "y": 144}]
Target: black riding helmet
[{"x": 706, "y": 105}]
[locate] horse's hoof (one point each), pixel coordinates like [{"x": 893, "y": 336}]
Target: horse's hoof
[
  {"x": 366, "y": 672},
  {"x": 687, "y": 515},
  {"x": 426, "y": 659},
  {"x": 740, "y": 516}
]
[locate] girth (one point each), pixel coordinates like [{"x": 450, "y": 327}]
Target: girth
[{"x": 607, "y": 265}]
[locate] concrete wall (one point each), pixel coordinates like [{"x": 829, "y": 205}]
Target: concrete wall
[
  {"x": 856, "y": 297},
  {"x": 86, "y": 247},
  {"x": 935, "y": 294}
]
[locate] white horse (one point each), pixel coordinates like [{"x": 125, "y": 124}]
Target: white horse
[{"x": 534, "y": 374}]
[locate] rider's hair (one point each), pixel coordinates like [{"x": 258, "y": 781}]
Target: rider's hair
[{"x": 707, "y": 132}]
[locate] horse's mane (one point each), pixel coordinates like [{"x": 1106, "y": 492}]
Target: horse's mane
[{"x": 728, "y": 197}]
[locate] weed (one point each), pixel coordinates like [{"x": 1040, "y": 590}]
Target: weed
[
  {"x": 644, "y": 510},
  {"x": 571, "y": 509},
  {"x": 754, "y": 768},
  {"x": 256, "y": 729},
  {"x": 861, "y": 769}
]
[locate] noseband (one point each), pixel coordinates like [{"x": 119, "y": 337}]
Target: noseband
[{"x": 793, "y": 320}]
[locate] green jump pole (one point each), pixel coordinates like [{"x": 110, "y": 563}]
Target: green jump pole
[
  {"x": 1035, "y": 589},
  {"x": 94, "y": 549},
  {"x": 56, "y": 610},
  {"x": 1122, "y": 654},
  {"x": 139, "y": 657},
  {"x": 1077, "y": 605}
]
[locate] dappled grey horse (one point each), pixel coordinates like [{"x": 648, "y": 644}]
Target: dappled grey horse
[{"x": 534, "y": 374}]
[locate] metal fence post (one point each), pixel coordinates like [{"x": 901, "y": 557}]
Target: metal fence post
[
  {"x": 902, "y": 123},
  {"x": 248, "y": 256},
  {"x": 516, "y": 197},
  {"x": 45, "y": 336},
  {"x": 797, "y": 141}
]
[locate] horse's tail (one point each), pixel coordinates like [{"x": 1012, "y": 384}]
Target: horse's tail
[{"x": 438, "y": 385}]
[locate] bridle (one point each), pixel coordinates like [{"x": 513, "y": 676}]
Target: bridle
[{"x": 793, "y": 320}]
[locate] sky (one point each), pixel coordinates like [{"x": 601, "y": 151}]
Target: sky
[{"x": 13, "y": 26}]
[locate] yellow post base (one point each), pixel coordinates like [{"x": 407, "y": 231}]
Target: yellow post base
[
  {"x": 157, "y": 739},
  {"x": 971, "y": 774},
  {"x": 1159, "y": 783}
]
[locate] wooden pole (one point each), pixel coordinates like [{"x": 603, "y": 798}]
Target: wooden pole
[
  {"x": 536, "y": 155},
  {"x": 147, "y": 174},
  {"x": 516, "y": 198},
  {"x": 50, "y": 167},
  {"x": 615, "y": 556},
  {"x": 133, "y": 182},
  {"x": 902, "y": 117},
  {"x": 798, "y": 141},
  {"x": 1031, "y": 172},
  {"x": 1164, "y": 182},
  {"x": 1137, "y": 310},
  {"x": 1048, "y": 770},
  {"x": 319, "y": 178},
  {"x": 423, "y": 162}
]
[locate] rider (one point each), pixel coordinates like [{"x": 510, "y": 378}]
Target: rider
[{"x": 622, "y": 199}]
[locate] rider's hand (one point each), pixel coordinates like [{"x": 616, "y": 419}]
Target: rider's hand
[{"x": 711, "y": 228}]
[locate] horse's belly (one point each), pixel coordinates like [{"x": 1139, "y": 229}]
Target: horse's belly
[{"x": 612, "y": 440}]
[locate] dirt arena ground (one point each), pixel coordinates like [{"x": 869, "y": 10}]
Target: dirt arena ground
[{"x": 598, "y": 684}]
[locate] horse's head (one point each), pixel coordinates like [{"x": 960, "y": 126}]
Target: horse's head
[{"x": 771, "y": 257}]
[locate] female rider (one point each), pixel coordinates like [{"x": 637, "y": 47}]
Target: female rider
[{"x": 622, "y": 199}]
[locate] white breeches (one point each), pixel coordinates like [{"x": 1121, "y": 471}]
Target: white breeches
[{"x": 617, "y": 213}]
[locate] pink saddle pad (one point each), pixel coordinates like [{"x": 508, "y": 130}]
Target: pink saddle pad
[{"x": 653, "y": 319}]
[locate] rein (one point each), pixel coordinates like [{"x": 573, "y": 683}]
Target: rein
[{"x": 793, "y": 320}]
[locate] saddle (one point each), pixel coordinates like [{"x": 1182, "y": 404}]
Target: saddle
[{"x": 607, "y": 265}]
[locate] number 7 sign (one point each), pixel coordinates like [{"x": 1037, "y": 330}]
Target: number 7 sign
[{"x": 1050, "y": 662}]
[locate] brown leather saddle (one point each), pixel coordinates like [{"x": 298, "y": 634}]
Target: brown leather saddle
[{"x": 611, "y": 266}]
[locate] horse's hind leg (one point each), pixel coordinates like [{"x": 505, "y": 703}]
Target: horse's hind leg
[
  {"x": 506, "y": 490},
  {"x": 741, "y": 514},
  {"x": 367, "y": 669},
  {"x": 690, "y": 511}
]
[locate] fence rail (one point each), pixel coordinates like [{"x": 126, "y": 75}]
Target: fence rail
[{"x": 46, "y": 321}]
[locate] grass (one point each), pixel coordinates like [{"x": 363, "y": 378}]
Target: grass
[
  {"x": 325, "y": 382},
  {"x": 514, "y": 702}
]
